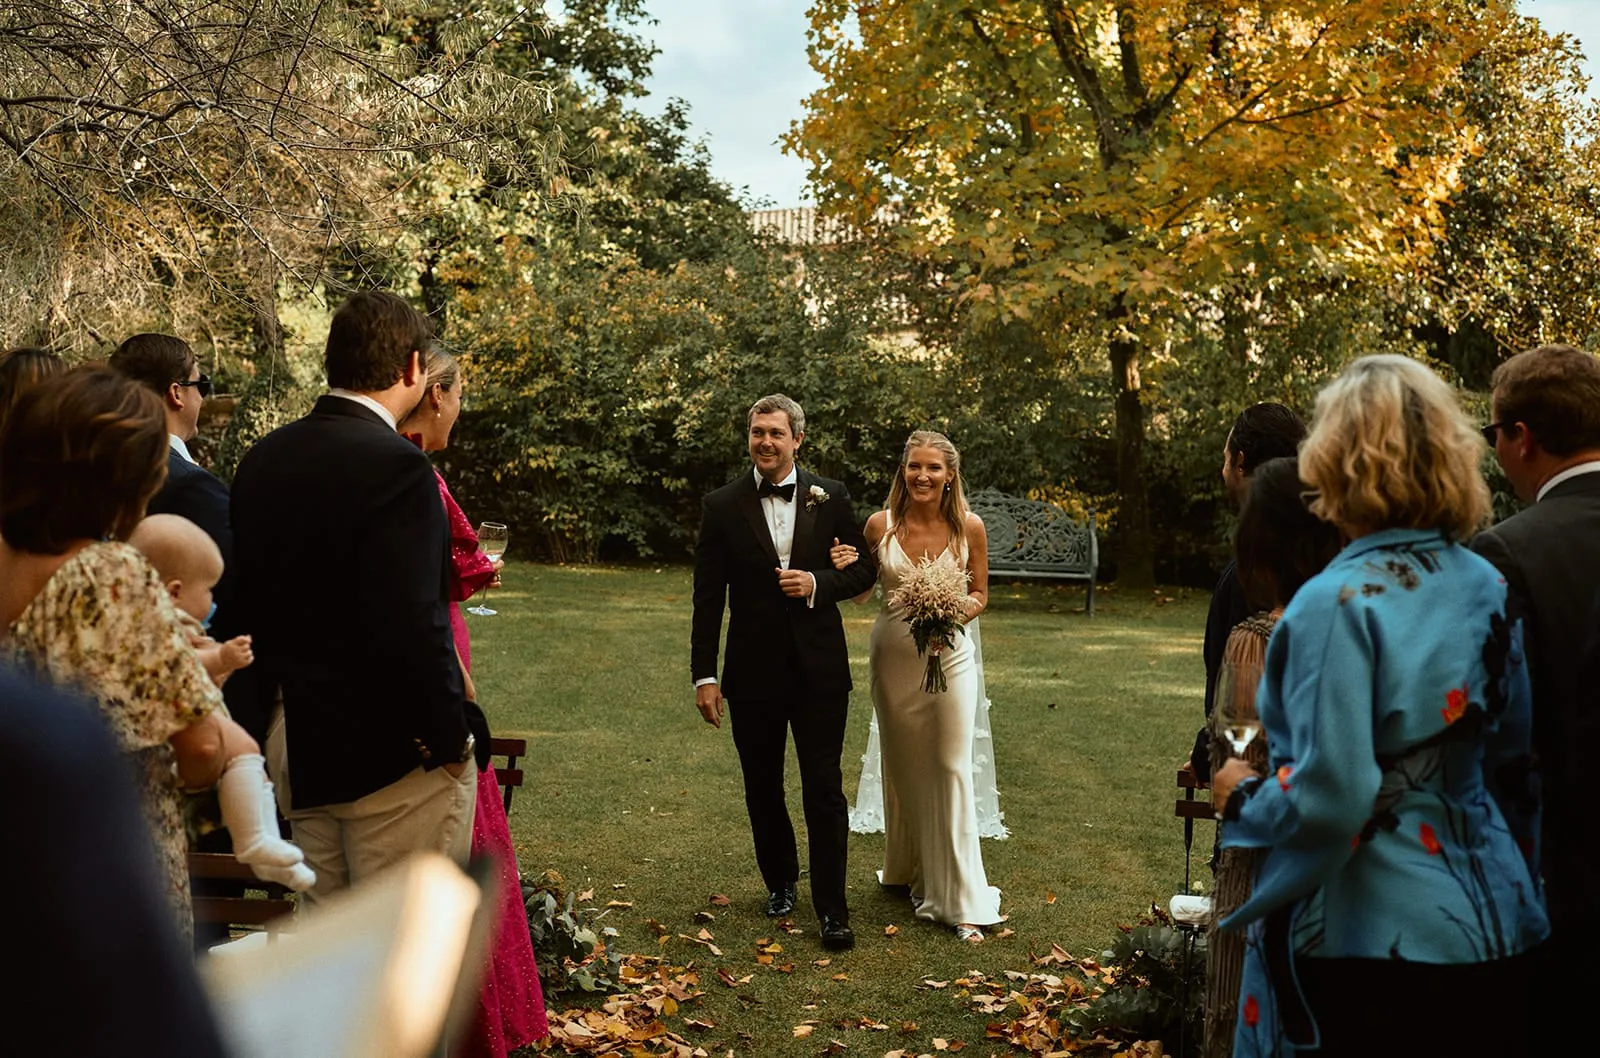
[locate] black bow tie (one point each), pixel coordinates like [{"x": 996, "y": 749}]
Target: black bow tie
[{"x": 783, "y": 492}]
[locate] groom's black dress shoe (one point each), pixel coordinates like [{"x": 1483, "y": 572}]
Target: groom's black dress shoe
[
  {"x": 780, "y": 902},
  {"x": 837, "y": 934}
]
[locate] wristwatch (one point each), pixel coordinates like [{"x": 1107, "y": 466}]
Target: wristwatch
[{"x": 467, "y": 748}]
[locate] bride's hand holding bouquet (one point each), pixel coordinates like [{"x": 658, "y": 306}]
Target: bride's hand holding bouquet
[{"x": 932, "y": 598}]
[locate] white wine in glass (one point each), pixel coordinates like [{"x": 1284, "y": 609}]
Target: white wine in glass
[
  {"x": 1240, "y": 734},
  {"x": 492, "y": 538},
  {"x": 1240, "y": 724}
]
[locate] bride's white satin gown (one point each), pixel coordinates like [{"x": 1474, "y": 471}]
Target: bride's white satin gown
[{"x": 926, "y": 741}]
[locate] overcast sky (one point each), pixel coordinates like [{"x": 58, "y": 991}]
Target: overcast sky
[{"x": 741, "y": 65}]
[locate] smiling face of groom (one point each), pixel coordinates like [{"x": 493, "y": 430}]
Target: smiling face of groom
[{"x": 773, "y": 444}]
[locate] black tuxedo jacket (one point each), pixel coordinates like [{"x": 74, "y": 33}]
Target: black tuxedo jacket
[
  {"x": 194, "y": 493},
  {"x": 1549, "y": 555},
  {"x": 341, "y": 547},
  {"x": 776, "y": 644}
]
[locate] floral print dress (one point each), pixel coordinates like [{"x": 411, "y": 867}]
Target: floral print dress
[
  {"x": 104, "y": 624},
  {"x": 1400, "y": 809}
]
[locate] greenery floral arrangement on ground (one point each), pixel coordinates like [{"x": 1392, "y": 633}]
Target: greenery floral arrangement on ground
[{"x": 1127, "y": 1002}]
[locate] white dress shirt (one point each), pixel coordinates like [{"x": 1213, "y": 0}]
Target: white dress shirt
[
  {"x": 780, "y": 515},
  {"x": 367, "y": 402},
  {"x": 177, "y": 445},
  {"x": 1591, "y": 467}
]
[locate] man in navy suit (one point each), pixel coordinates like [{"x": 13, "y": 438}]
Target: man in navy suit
[
  {"x": 168, "y": 366},
  {"x": 343, "y": 552}
]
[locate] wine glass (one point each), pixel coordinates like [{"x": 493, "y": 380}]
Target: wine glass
[
  {"x": 492, "y": 538},
  {"x": 1240, "y": 733}
]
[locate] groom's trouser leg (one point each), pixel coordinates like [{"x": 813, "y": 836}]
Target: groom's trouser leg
[
  {"x": 819, "y": 724},
  {"x": 761, "y": 734}
]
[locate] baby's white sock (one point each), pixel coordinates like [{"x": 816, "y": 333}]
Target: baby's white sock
[
  {"x": 298, "y": 878},
  {"x": 251, "y": 815}
]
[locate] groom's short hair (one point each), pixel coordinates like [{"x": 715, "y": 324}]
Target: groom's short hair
[{"x": 778, "y": 402}]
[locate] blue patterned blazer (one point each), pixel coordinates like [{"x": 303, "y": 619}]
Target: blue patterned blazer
[{"x": 1401, "y": 809}]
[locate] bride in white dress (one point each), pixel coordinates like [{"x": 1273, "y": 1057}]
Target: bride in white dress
[{"x": 926, "y": 740}]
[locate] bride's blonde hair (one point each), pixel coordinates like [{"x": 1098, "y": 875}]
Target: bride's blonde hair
[{"x": 952, "y": 505}]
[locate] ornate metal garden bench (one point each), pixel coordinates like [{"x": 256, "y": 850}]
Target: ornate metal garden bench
[{"x": 1030, "y": 538}]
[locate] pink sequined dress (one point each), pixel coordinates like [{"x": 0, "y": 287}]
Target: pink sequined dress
[{"x": 511, "y": 1003}]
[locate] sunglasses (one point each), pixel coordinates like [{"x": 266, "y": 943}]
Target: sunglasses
[
  {"x": 1492, "y": 431},
  {"x": 203, "y": 384}
]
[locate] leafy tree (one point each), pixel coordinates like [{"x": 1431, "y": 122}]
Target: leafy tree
[
  {"x": 1519, "y": 261},
  {"x": 1113, "y": 156},
  {"x": 165, "y": 149}
]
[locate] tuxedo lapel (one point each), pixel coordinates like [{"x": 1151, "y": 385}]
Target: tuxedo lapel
[
  {"x": 805, "y": 520},
  {"x": 750, "y": 507}
]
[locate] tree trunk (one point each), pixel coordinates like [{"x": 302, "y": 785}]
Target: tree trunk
[
  {"x": 1136, "y": 547},
  {"x": 266, "y": 330},
  {"x": 434, "y": 296}
]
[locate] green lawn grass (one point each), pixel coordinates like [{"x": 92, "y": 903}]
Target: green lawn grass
[{"x": 630, "y": 793}]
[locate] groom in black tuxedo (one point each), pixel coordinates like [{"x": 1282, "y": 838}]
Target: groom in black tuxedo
[{"x": 763, "y": 551}]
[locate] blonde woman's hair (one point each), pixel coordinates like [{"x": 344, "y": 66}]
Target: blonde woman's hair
[
  {"x": 952, "y": 505},
  {"x": 1390, "y": 448},
  {"x": 441, "y": 367}
]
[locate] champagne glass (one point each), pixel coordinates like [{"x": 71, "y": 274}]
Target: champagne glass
[{"x": 492, "y": 538}]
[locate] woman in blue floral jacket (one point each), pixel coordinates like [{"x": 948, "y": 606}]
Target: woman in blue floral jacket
[{"x": 1401, "y": 809}]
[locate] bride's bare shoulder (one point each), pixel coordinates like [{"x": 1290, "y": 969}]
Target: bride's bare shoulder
[
  {"x": 975, "y": 525},
  {"x": 876, "y": 526}
]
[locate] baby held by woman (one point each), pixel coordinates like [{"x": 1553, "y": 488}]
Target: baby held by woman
[{"x": 190, "y": 565}]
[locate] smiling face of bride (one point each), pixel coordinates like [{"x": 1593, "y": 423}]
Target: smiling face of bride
[{"x": 927, "y": 475}]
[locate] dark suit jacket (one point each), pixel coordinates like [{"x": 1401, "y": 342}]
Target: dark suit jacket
[
  {"x": 194, "y": 493},
  {"x": 96, "y": 963},
  {"x": 1549, "y": 555},
  {"x": 341, "y": 547},
  {"x": 775, "y": 643}
]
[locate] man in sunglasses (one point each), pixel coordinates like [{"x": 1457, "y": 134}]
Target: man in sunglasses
[
  {"x": 1545, "y": 430},
  {"x": 167, "y": 366}
]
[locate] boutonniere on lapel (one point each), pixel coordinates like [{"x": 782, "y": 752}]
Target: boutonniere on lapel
[{"x": 816, "y": 495}]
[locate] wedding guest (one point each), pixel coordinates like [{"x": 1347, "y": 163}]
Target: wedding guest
[
  {"x": 80, "y": 455},
  {"x": 926, "y": 737},
  {"x": 21, "y": 369},
  {"x": 1400, "y": 809},
  {"x": 1545, "y": 429},
  {"x": 168, "y": 368},
  {"x": 380, "y": 756},
  {"x": 510, "y": 1012},
  {"x": 1279, "y": 546},
  {"x": 96, "y": 966},
  {"x": 1261, "y": 432}
]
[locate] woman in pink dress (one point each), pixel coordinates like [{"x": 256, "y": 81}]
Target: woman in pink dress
[{"x": 511, "y": 1003}]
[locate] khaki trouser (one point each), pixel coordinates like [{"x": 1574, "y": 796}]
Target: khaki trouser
[{"x": 349, "y": 842}]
